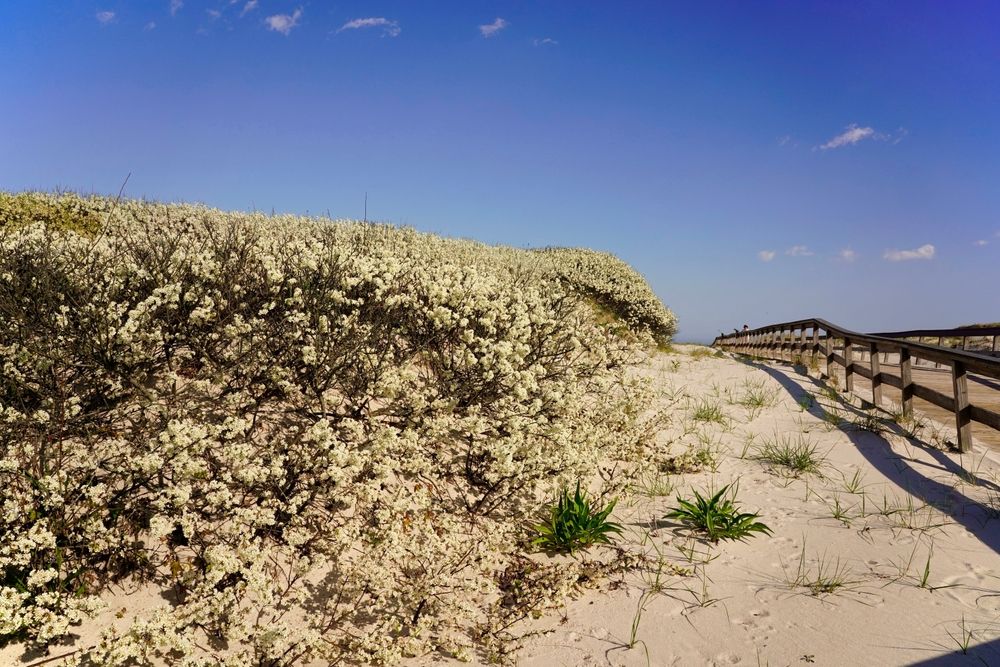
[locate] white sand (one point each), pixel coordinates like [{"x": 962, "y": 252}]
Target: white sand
[{"x": 744, "y": 607}]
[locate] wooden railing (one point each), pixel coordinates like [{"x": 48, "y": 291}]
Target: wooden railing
[{"x": 790, "y": 341}]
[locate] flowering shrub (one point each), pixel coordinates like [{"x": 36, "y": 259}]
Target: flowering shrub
[
  {"x": 318, "y": 439},
  {"x": 616, "y": 286}
]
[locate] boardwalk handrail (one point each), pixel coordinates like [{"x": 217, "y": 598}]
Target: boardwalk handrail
[{"x": 790, "y": 339}]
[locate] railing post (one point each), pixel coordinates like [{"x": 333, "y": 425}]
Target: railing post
[
  {"x": 848, "y": 366},
  {"x": 802, "y": 345},
  {"x": 937, "y": 364},
  {"x": 906, "y": 380},
  {"x": 815, "y": 345},
  {"x": 829, "y": 353},
  {"x": 876, "y": 375},
  {"x": 963, "y": 418}
]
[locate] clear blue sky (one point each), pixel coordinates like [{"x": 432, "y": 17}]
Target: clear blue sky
[{"x": 687, "y": 138}]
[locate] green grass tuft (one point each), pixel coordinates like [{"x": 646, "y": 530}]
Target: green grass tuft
[{"x": 575, "y": 523}]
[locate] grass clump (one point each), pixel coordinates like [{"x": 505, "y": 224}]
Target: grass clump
[
  {"x": 796, "y": 455},
  {"x": 700, "y": 353},
  {"x": 718, "y": 517},
  {"x": 706, "y": 411},
  {"x": 869, "y": 421},
  {"x": 756, "y": 397},
  {"x": 576, "y": 523},
  {"x": 826, "y": 577}
]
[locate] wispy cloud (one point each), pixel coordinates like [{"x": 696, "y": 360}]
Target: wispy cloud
[
  {"x": 150, "y": 26},
  {"x": 284, "y": 23},
  {"x": 544, "y": 41},
  {"x": 850, "y": 136},
  {"x": 981, "y": 242},
  {"x": 213, "y": 13},
  {"x": 799, "y": 251},
  {"x": 925, "y": 251},
  {"x": 766, "y": 255},
  {"x": 491, "y": 29},
  {"x": 175, "y": 6},
  {"x": 104, "y": 18},
  {"x": 249, "y": 7},
  {"x": 847, "y": 255},
  {"x": 390, "y": 28}
]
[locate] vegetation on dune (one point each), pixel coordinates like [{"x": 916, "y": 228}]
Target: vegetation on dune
[
  {"x": 66, "y": 212},
  {"x": 616, "y": 286},
  {"x": 576, "y": 522},
  {"x": 718, "y": 516},
  {"x": 322, "y": 437}
]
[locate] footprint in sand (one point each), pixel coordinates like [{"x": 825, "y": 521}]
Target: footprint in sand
[{"x": 757, "y": 626}]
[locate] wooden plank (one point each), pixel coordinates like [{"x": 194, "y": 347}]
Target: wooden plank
[
  {"x": 984, "y": 416},
  {"x": 875, "y": 376},
  {"x": 906, "y": 381},
  {"x": 891, "y": 380},
  {"x": 936, "y": 397},
  {"x": 963, "y": 418}
]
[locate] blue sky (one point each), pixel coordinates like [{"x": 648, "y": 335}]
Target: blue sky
[{"x": 854, "y": 146}]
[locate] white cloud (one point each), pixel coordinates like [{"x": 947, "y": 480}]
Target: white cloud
[
  {"x": 175, "y": 6},
  {"x": 249, "y": 7},
  {"x": 850, "y": 136},
  {"x": 766, "y": 255},
  {"x": 213, "y": 13},
  {"x": 784, "y": 139},
  {"x": 545, "y": 41},
  {"x": 981, "y": 242},
  {"x": 923, "y": 252},
  {"x": 150, "y": 26},
  {"x": 490, "y": 29},
  {"x": 847, "y": 255},
  {"x": 284, "y": 23},
  {"x": 104, "y": 18},
  {"x": 390, "y": 28},
  {"x": 901, "y": 134},
  {"x": 799, "y": 251}
]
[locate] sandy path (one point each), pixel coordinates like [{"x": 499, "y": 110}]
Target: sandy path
[{"x": 739, "y": 603}]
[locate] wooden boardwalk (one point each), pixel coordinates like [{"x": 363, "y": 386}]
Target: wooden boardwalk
[
  {"x": 983, "y": 391},
  {"x": 960, "y": 385}
]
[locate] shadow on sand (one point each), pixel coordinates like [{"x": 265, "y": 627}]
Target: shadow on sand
[{"x": 906, "y": 472}]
